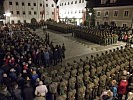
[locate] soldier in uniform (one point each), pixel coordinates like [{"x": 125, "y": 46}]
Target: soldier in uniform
[
  {"x": 71, "y": 83},
  {"x": 89, "y": 89},
  {"x": 53, "y": 89},
  {"x": 71, "y": 95}
]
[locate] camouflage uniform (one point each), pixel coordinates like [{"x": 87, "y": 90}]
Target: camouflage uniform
[
  {"x": 72, "y": 82},
  {"x": 74, "y": 73},
  {"x": 71, "y": 95},
  {"x": 81, "y": 93},
  {"x": 63, "y": 88},
  {"x": 80, "y": 82},
  {"x": 53, "y": 89},
  {"x": 89, "y": 89},
  {"x": 102, "y": 83}
]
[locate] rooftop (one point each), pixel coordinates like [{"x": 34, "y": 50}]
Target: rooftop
[{"x": 97, "y": 3}]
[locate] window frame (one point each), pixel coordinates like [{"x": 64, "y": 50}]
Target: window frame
[
  {"x": 34, "y": 4},
  {"x": 98, "y": 13},
  {"x": 115, "y": 14},
  {"x": 18, "y": 12},
  {"x": 29, "y": 4},
  {"x": 23, "y": 4},
  {"x": 126, "y": 14},
  {"x": 10, "y": 3},
  {"x": 17, "y": 4},
  {"x": 107, "y": 13}
]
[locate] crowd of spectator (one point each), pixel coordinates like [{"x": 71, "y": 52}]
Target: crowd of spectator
[
  {"x": 23, "y": 56},
  {"x": 124, "y": 33}
]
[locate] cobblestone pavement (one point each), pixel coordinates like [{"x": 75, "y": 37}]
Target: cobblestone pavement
[{"x": 77, "y": 48}]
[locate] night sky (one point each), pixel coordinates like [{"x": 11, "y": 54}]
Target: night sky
[{"x": 56, "y": 1}]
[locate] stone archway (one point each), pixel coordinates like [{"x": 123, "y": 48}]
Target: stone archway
[{"x": 33, "y": 21}]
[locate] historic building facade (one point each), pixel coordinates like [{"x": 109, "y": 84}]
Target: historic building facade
[
  {"x": 25, "y": 10},
  {"x": 72, "y": 11},
  {"x": 1, "y": 12},
  {"x": 120, "y": 15},
  {"x": 118, "y": 12}
]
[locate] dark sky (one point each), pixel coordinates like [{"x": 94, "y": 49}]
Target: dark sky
[{"x": 56, "y": 1}]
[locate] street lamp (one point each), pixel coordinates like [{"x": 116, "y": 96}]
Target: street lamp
[
  {"x": 90, "y": 13},
  {"x": 7, "y": 15}
]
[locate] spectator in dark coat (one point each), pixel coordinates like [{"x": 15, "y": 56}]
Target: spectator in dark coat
[
  {"x": 60, "y": 53},
  {"x": 17, "y": 92},
  {"x": 2, "y": 54},
  {"x": 55, "y": 56},
  {"x": 47, "y": 58},
  {"x": 4, "y": 93},
  {"x": 28, "y": 92},
  {"x": 6, "y": 80},
  {"x": 13, "y": 75},
  {"x": 63, "y": 50},
  {"x": 1, "y": 75}
]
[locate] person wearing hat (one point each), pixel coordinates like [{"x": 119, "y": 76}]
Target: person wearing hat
[{"x": 41, "y": 91}]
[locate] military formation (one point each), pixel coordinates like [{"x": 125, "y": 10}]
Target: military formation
[
  {"x": 86, "y": 79},
  {"x": 102, "y": 37},
  {"x": 61, "y": 27}
]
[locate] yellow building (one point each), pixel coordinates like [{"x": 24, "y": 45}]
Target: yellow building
[{"x": 118, "y": 12}]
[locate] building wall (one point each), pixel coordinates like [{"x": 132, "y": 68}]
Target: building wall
[
  {"x": 70, "y": 10},
  {"x": 50, "y": 11},
  {"x": 24, "y": 10},
  {"x": 118, "y": 18}
]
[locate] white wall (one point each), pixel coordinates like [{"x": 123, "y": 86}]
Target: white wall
[
  {"x": 78, "y": 8},
  {"x": 50, "y": 9},
  {"x": 27, "y": 8}
]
